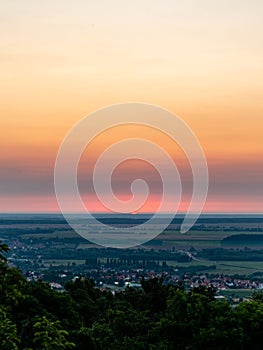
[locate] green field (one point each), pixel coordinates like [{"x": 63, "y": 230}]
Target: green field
[
  {"x": 197, "y": 239},
  {"x": 64, "y": 262},
  {"x": 55, "y": 234},
  {"x": 167, "y": 240},
  {"x": 226, "y": 267},
  {"x": 237, "y": 293}
]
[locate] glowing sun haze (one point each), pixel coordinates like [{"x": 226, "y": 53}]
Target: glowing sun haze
[{"x": 61, "y": 60}]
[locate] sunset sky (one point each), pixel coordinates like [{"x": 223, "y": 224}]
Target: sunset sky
[{"x": 200, "y": 59}]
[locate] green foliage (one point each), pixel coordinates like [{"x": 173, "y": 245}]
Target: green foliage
[
  {"x": 8, "y": 332},
  {"x": 48, "y": 335},
  {"x": 258, "y": 296},
  {"x": 156, "y": 316},
  {"x": 220, "y": 254},
  {"x": 3, "y": 249}
]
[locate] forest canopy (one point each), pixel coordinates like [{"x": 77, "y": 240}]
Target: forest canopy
[{"x": 155, "y": 316}]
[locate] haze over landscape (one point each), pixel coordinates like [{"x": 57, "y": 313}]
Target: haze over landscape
[{"x": 97, "y": 97}]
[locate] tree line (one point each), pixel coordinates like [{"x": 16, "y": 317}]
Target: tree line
[{"x": 156, "y": 316}]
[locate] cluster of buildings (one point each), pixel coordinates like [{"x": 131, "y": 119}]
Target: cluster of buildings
[{"x": 116, "y": 280}]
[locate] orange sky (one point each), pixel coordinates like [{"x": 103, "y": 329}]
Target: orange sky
[{"x": 202, "y": 60}]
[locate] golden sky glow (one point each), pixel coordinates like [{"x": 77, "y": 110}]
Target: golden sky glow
[{"x": 200, "y": 59}]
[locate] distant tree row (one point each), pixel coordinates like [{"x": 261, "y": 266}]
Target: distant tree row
[{"x": 217, "y": 254}]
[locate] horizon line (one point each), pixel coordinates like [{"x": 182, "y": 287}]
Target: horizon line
[{"x": 132, "y": 214}]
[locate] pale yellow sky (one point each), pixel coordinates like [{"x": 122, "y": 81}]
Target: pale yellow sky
[{"x": 201, "y": 59}]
